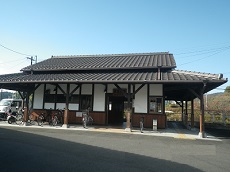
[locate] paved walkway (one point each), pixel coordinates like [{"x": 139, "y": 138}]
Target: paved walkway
[{"x": 173, "y": 130}]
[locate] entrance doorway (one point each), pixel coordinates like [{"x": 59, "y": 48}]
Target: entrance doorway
[{"x": 116, "y": 110}]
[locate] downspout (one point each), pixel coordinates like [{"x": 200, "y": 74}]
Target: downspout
[{"x": 158, "y": 72}]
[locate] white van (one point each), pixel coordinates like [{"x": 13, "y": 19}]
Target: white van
[{"x": 6, "y": 104}]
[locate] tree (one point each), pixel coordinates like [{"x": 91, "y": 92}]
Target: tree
[{"x": 227, "y": 89}]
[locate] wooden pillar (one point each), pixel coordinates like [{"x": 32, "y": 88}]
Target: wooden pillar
[
  {"x": 192, "y": 113},
  {"x": 26, "y": 109},
  {"x": 129, "y": 112},
  {"x": 66, "y": 112},
  {"x": 182, "y": 111},
  {"x": 186, "y": 114},
  {"x": 201, "y": 97},
  {"x": 202, "y": 133}
]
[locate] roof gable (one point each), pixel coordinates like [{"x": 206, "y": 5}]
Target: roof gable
[{"x": 105, "y": 62}]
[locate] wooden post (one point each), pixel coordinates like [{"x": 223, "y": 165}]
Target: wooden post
[
  {"x": 182, "y": 111},
  {"x": 66, "y": 112},
  {"x": 192, "y": 113},
  {"x": 186, "y": 114},
  {"x": 26, "y": 109},
  {"x": 201, "y": 133},
  {"x": 201, "y": 97},
  {"x": 128, "y": 113}
]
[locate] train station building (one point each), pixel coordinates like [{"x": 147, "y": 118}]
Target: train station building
[{"x": 115, "y": 87}]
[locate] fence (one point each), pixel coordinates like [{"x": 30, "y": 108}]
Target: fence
[{"x": 215, "y": 117}]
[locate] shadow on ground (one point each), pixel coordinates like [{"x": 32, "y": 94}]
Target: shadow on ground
[
  {"x": 219, "y": 133},
  {"x": 30, "y": 152}
]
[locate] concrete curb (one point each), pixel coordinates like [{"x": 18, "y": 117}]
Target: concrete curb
[{"x": 170, "y": 132}]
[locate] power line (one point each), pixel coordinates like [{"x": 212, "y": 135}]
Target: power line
[
  {"x": 31, "y": 58},
  {"x": 205, "y": 57},
  {"x": 15, "y": 51},
  {"x": 13, "y": 65},
  {"x": 205, "y": 51},
  {"x": 12, "y": 61}
]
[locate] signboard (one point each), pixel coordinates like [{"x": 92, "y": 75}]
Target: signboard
[{"x": 118, "y": 92}]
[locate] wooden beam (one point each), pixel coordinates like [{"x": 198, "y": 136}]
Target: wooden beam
[
  {"x": 139, "y": 88},
  {"x": 63, "y": 92},
  {"x": 179, "y": 103},
  {"x": 193, "y": 92},
  {"x": 75, "y": 89}
]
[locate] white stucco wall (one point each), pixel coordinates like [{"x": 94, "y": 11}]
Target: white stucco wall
[
  {"x": 49, "y": 105},
  {"x": 72, "y": 106},
  {"x": 60, "y": 105},
  {"x": 38, "y": 97},
  {"x": 39, "y": 93},
  {"x": 86, "y": 89},
  {"x": 155, "y": 90},
  {"x": 99, "y": 98},
  {"x": 140, "y": 102}
]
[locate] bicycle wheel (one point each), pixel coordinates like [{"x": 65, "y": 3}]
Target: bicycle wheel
[
  {"x": 40, "y": 120},
  {"x": 84, "y": 122},
  {"x": 54, "y": 121},
  {"x": 90, "y": 120},
  {"x": 19, "y": 120},
  {"x": 141, "y": 127},
  {"x": 31, "y": 120}
]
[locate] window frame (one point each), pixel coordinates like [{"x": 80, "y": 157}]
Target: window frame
[{"x": 155, "y": 105}]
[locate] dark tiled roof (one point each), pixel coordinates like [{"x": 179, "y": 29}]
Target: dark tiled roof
[
  {"x": 175, "y": 76},
  {"x": 103, "y": 62}
]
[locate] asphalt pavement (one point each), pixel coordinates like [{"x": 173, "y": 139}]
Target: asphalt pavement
[{"x": 99, "y": 148}]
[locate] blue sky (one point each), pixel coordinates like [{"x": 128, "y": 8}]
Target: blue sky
[{"x": 197, "y": 32}]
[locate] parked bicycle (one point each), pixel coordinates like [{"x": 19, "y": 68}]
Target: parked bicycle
[
  {"x": 86, "y": 119},
  {"x": 14, "y": 117},
  {"x": 36, "y": 118},
  {"x": 57, "y": 118}
]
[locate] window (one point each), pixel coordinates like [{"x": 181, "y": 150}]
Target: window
[
  {"x": 60, "y": 98},
  {"x": 49, "y": 98},
  {"x": 86, "y": 102},
  {"x": 74, "y": 99},
  {"x": 155, "y": 104}
]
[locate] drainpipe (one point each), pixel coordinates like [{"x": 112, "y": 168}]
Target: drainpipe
[{"x": 158, "y": 72}]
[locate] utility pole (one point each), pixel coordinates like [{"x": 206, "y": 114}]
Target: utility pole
[{"x": 32, "y": 58}]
